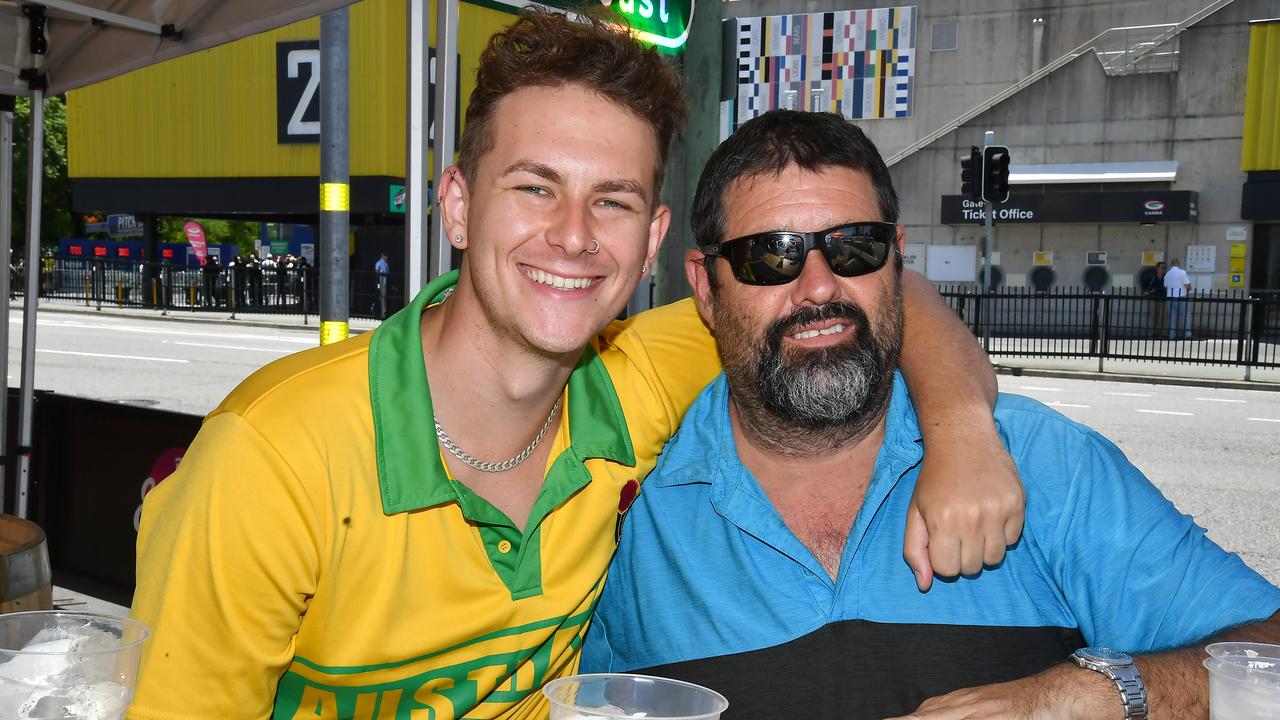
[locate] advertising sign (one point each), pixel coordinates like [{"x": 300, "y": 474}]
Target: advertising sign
[
  {"x": 662, "y": 23},
  {"x": 395, "y": 201},
  {"x": 119, "y": 226},
  {"x": 195, "y": 236}
]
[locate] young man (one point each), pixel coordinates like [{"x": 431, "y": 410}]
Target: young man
[
  {"x": 348, "y": 539},
  {"x": 764, "y": 548}
]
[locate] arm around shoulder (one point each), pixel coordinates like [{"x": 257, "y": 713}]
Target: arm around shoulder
[{"x": 969, "y": 501}]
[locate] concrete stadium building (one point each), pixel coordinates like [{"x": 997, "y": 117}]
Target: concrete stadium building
[{"x": 1139, "y": 129}]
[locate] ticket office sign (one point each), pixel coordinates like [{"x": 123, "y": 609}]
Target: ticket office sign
[{"x": 1152, "y": 206}]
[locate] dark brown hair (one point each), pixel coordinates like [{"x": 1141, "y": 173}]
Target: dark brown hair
[{"x": 547, "y": 49}]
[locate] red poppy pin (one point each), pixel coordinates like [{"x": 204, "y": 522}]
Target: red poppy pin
[{"x": 630, "y": 490}]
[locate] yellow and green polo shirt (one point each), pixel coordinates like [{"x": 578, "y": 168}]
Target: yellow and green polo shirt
[{"x": 313, "y": 558}]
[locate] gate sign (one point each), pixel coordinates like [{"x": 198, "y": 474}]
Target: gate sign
[
  {"x": 195, "y": 236},
  {"x": 298, "y": 92},
  {"x": 119, "y": 226}
]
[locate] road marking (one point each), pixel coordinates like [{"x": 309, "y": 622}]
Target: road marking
[
  {"x": 1033, "y": 387},
  {"x": 1274, "y": 420},
  {"x": 308, "y": 340},
  {"x": 1120, "y": 394},
  {"x": 1165, "y": 412},
  {"x": 233, "y": 347},
  {"x": 1220, "y": 400},
  {"x": 1055, "y": 403},
  {"x": 107, "y": 355}
]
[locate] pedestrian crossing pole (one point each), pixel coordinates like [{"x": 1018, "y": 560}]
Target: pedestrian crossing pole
[
  {"x": 988, "y": 240},
  {"x": 335, "y": 172}
]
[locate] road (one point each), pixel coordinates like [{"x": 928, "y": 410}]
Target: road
[
  {"x": 181, "y": 366},
  {"x": 1215, "y": 453}
]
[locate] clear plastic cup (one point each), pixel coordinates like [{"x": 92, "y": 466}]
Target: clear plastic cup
[
  {"x": 68, "y": 665},
  {"x": 1244, "y": 681},
  {"x": 615, "y": 695}
]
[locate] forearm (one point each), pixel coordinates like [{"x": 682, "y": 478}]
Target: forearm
[
  {"x": 951, "y": 380},
  {"x": 1177, "y": 682}
]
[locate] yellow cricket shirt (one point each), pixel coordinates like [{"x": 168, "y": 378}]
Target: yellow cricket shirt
[{"x": 312, "y": 558}]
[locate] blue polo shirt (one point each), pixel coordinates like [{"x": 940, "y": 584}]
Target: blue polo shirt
[{"x": 710, "y": 586}]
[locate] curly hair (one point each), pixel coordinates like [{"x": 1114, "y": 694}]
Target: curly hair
[{"x": 547, "y": 49}]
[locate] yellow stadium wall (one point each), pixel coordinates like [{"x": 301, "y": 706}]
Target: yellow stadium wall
[
  {"x": 212, "y": 114},
  {"x": 1261, "y": 146}
]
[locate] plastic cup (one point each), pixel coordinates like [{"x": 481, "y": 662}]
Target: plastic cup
[
  {"x": 613, "y": 696},
  {"x": 68, "y": 665},
  {"x": 1244, "y": 681}
]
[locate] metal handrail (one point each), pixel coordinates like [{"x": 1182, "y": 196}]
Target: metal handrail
[{"x": 1019, "y": 86}]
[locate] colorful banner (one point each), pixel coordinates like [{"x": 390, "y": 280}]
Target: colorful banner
[
  {"x": 859, "y": 63},
  {"x": 195, "y": 236}
]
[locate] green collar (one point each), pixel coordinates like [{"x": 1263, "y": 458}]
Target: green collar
[{"x": 410, "y": 473}]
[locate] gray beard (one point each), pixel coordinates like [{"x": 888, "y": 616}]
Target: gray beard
[{"x": 816, "y": 401}]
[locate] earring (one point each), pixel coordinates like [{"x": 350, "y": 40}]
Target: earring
[
  {"x": 457, "y": 239},
  {"x": 644, "y": 268}
]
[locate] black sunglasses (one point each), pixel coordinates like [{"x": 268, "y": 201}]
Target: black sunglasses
[{"x": 777, "y": 257}]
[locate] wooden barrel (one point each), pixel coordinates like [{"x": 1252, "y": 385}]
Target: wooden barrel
[{"x": 26, "y": 582}]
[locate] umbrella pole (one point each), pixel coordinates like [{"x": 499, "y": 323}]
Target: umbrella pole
[
  {"x": 35, "y": 153},
  {"x": 6, "y": 231}
]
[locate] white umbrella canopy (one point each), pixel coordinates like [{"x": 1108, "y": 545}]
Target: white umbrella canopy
[{"x": 89, "y": 41}]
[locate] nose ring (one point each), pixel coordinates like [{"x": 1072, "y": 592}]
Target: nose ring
[{"x": 596, "y": 249}]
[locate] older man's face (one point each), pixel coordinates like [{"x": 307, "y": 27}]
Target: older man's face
[{"x": 820, "y": 350}]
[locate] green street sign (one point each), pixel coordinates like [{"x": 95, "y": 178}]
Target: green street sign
[
  {"x": 395, "y": 201},
  {"x": 662, "y": 23}
]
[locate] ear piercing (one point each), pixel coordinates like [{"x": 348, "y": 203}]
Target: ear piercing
[
  {"x": 457, "y": 239},
  {"x": 644, "y": 268}
]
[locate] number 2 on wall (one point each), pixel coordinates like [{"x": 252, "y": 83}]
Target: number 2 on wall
[{"x": 298, "y": 58}]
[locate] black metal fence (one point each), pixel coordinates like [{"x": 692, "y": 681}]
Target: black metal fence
[
  {"x": 282, "y": 289},
  {"x": 1220, "y": 327}
]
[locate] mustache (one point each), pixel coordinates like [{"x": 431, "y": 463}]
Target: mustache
[{"x": 838, "y": 310}]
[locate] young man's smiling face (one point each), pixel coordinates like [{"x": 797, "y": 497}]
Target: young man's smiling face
[{"x": 561, "y": 215}]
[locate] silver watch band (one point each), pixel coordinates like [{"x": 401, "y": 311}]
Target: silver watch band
[{"x": 1132, "y": 692}]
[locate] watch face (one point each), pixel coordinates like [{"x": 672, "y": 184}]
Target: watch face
[{"x": 1105, "y": 655}]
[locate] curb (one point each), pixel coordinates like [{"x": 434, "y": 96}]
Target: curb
[
  {"x": 215, "y": 319},
  {"x": 1017, "y": 371}
]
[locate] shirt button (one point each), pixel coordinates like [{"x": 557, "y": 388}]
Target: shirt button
[{"x": 504, "y": 547}]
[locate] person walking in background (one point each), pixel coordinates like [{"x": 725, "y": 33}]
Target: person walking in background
[
  {"x": 383, "y": 268},
  {"x": 1153, "y": 290},
  {"x": 1176, "y": 286}
]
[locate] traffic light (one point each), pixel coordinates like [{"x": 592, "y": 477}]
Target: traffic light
[
  {"x": 995, "y": 173},
  {"x": 971, "y": 174}
]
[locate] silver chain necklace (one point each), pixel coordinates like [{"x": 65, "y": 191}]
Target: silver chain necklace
[{"x": 496, "y": 467}]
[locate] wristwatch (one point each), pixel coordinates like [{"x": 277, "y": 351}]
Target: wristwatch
[{"x": 1123, "y": 672}]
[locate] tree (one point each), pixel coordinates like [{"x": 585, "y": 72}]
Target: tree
[
  {"x": 55, "y": 213},
  {"x": 243, "y": 235}
]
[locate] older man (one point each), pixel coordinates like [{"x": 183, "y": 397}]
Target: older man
[{"x": 761, "y": 559}]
